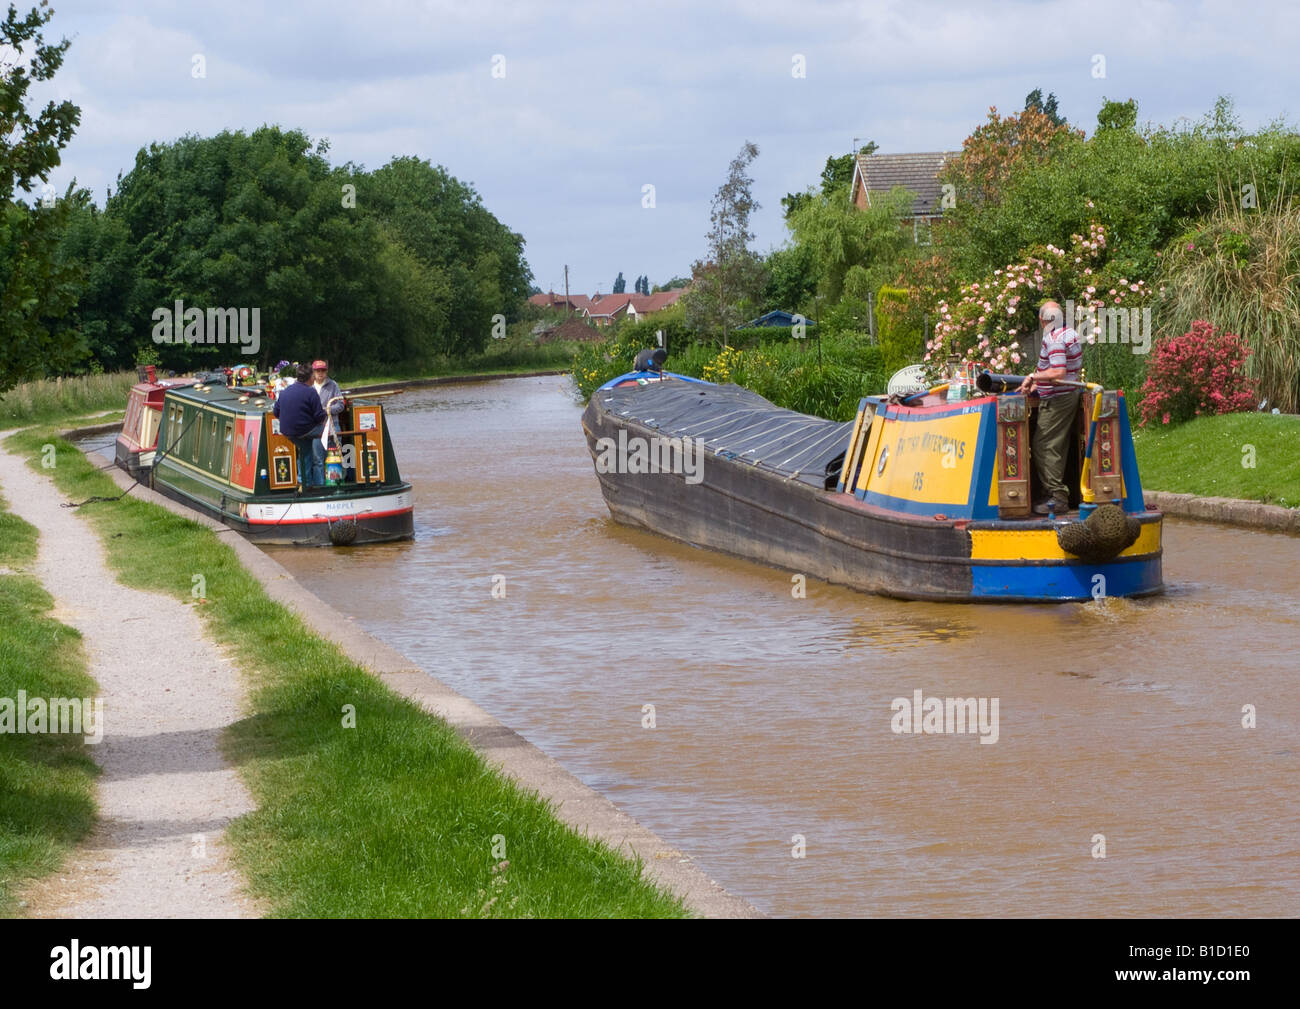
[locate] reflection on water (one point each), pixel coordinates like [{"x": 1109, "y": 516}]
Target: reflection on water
[{"x": 773, "y": 713}]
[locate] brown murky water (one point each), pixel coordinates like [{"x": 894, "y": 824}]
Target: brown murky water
[{"x": 773, "y": 713}]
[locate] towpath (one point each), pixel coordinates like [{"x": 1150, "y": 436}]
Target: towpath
[{"x": 165, "y": 794}]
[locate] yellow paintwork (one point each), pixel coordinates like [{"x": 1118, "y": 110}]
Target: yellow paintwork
[
  {"x": 1041, "y": 544},
  {"x": 931, "y": 459},
  {"x": 871, "y": 451}
]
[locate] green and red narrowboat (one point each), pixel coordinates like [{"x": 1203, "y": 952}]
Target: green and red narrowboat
[{"x": 220, "y": 451}]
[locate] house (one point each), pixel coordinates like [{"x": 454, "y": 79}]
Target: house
[
  {"x": 879, "y": 173},
  {"x": 605, "y": 310},
  {"x": 642, "y": 305}
]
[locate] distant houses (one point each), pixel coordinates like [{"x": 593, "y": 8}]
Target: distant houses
[{"x": 606, "y": 309}]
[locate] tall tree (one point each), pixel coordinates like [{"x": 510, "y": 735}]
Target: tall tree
[
  {"x": 620, "y": 285},
  {"x": 1034, "y": 100},
  {"x": 728, "y": 283},
  {"x": 35, "y": 290}
]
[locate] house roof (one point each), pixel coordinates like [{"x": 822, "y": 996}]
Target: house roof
[
  {"x": 552, "y": 300},
  {"x": 608, "y": 305},
  {"x": 647, "y": 303},
  {"x": 917, "y": 172}
]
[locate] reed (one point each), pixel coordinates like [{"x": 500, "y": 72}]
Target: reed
[
  {"x": 49, "y": 399},
  {"x": 1240, "y": 270}
]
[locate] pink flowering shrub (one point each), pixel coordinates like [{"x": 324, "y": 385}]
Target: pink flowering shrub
[
  {"x": 1201, "y": 372},
  {"x": 992, "y": 323}
]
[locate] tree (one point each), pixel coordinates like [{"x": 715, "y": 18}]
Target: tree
[
  {"x": 620, "y": 285},
  {"x": 838, "y": 173},
  {"x": 854, "y": 250},
  {"x": 35, "y": 290},
  {"x": 477, "y": 262},
  {"x": 998, "y": 149},
  {"x": 791, "y": 279},
  {"x": 1034, "y": 100},
  {"x": 671, "y": 285},
  {"x": 730, "y": 280}
]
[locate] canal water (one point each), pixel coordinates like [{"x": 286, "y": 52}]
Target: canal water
[{"x": 1119, "y": 723}]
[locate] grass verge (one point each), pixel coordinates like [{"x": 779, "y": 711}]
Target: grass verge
[
  {"x": 1236, "y": 455},
  {"x": 47, "y": 781},
  {"x": 397, "y": 817}
]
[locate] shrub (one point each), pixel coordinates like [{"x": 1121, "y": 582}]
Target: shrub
[{"x": 1201, "y": 372}]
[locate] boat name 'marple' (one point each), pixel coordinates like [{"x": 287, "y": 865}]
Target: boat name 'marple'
[
  {"x": 945, "y": 715},
  {"x": 637, "y": 455}
]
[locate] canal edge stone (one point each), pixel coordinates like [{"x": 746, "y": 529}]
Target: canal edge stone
[
  {"x": 1229, "y": 511},
  {"x": 574, "y": 803}
]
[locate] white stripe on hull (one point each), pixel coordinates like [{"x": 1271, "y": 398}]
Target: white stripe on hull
[{"x": 286, "y": 513}]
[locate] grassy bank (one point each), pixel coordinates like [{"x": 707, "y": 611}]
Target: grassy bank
[
  {"x": 47, "y": 781},
  {"x": 395, "y": 817},
  {"x": 1205, "y": 456}
]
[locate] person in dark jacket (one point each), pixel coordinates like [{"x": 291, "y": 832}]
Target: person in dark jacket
[{"x": 302, "y": 418}]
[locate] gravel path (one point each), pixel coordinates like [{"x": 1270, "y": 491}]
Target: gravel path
[{"x": 166, "y": 794}]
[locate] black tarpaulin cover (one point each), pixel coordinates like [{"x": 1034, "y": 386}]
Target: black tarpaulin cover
[{"x": 735, "y": 423}]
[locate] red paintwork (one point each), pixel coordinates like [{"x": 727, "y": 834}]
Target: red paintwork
[
  {"x": 145, "y": 396},
  {"x": 248, "y": 438}
]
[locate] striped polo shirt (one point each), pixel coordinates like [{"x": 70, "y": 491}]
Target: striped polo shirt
[{"x": 1061, "y": 349}]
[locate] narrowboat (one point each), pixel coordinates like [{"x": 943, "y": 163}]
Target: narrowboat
[
  {"x": 918, "y": 497},
  {"x": 220, "y": 451},
  {"x": 139, "y": 435}
]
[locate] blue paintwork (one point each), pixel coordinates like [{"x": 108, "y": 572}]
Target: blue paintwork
[
  {"x": 1133, "y": 499},
  {"x": 1050, "y": 582},
  {"x": 652, "y": 376}
]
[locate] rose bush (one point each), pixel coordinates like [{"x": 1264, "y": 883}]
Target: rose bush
[{"x": 991, "y": 323}]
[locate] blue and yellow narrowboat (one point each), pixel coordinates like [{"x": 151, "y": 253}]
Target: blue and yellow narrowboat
[{"x": 917, "y": 497}]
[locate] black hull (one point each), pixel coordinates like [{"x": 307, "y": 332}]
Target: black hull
[{"x": 749, "y": 512}]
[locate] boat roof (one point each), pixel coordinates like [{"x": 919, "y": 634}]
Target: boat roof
[
  {"x": 735, "y": 423},
  {"x": 161, "y": 385},
  {"x": 214, "y": 394}
]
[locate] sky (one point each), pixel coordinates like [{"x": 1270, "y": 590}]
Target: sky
[{"x": 560, "y": 114}]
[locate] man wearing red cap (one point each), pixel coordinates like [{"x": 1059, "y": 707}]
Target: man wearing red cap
[{"x": 327, "y": 389}]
